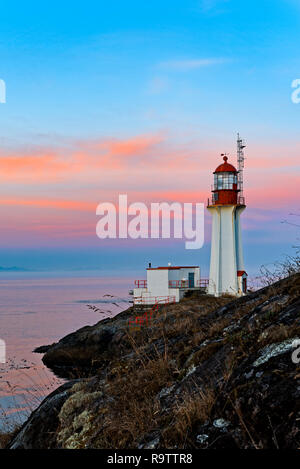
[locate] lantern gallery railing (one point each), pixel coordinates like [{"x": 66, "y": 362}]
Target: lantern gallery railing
[{"x": 214, "y": 200}]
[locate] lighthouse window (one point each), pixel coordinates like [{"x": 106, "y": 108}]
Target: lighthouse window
[
  {"x": 220, "y": 182},
  {"x": 225, "y": 181}
]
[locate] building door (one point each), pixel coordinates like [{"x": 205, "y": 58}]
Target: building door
[
  {"x": 244, "y": 285},
  {"x": 191, "y": 279}
]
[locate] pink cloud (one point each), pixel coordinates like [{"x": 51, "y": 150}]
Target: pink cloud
[
  {"x": 50, "y": 203},
  {"x": 67, "y": 181},
  {"x": 55, "y": 163}
]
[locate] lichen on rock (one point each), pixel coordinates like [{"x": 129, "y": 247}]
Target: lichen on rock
[{"x": 273, "y": 350}]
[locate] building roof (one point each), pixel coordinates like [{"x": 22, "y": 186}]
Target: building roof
[
  {"x": 225, "y": 167},
  {"x": 240, "y": 273},
  {"x": 171, "y": 267}
]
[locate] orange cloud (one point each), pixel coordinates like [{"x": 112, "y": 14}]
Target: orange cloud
[
  {"x": 48, "y": 203},
  {"x": 48, "y": 164},
  {"x": 136, "y": 146},
  {"x": 89, "y": 160},
  {"x": 33, "y": 166}
]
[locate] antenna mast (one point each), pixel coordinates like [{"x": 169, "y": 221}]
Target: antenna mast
[{"x": 240, "y": 163}]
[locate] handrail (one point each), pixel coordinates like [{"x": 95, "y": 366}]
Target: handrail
[
  {"x": 202, "y": 283},
  {"x": 138, "y": 321},
  {"x": 178, "y": 283},
  {"x": 140, "y": 283},
  {"x": 211, "y": 201},
  {"x": 141, "y": 300}
]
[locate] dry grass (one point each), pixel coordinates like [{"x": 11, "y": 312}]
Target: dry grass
[
  {"x": 278, "y": 333},
  {"x": 133, "y": 386},
  {"x": 6, "y": 437},
  {"x": 133, "y": 410},
  {"x": 193, "y": 409}
]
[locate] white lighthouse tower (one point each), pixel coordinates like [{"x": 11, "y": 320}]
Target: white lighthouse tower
[{"x": 227, "y": 273}]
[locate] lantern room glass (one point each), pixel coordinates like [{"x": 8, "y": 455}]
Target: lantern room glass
[{"x": 225, "y": 181}]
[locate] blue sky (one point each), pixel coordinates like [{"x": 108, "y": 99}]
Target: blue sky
[
  {"x": 81, "y": 69},
  {"x": 195, "y": 72}
]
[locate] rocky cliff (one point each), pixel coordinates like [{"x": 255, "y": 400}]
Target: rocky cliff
[{"x": 204, "y": 373}]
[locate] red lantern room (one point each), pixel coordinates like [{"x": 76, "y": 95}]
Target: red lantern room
[{"x": 225, "y": 189}]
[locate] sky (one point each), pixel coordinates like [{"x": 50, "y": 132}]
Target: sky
[{"x": 141, "y": 98}]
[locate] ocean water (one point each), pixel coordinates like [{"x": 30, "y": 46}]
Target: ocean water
[{"x": 39, "y": 309}]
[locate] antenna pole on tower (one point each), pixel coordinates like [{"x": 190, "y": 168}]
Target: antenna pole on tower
[{"x": 240, "y": 163}]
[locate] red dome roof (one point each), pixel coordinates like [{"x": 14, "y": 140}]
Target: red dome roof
[{"x": 225, "y": 167}]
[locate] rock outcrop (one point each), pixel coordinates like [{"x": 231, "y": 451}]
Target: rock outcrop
[
  {"x": 43, "y": 422},
  {"x": 88, "y": 348},
  {"x": 204, "y": 373}
]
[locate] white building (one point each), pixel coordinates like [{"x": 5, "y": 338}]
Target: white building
[
  {"x": 167, "y": 284},
  {"x": 227, "y": 273}
]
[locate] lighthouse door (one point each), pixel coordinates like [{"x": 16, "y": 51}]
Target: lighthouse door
[{"x": 191, "y": 279}]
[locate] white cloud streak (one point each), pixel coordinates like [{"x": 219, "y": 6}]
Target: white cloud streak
[{"x": 191, "y": 64}]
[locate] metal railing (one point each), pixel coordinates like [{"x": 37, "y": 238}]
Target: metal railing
[
  {"x": 142, "y": 320},
  {"x": 151, "y": 300},
  {"x": 178, "y": 283},
  {"x": 140, "y": 283},
  {"x": 212, "y": 201},
  {"x": 139, "y": 321},
  {"x": 202, "y": 283}
]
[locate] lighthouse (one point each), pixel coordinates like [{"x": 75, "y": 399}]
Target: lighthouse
[{"x": 227, "y": 272}]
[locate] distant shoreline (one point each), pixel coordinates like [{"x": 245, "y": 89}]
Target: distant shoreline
[{"x": 13, "y": 269}]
